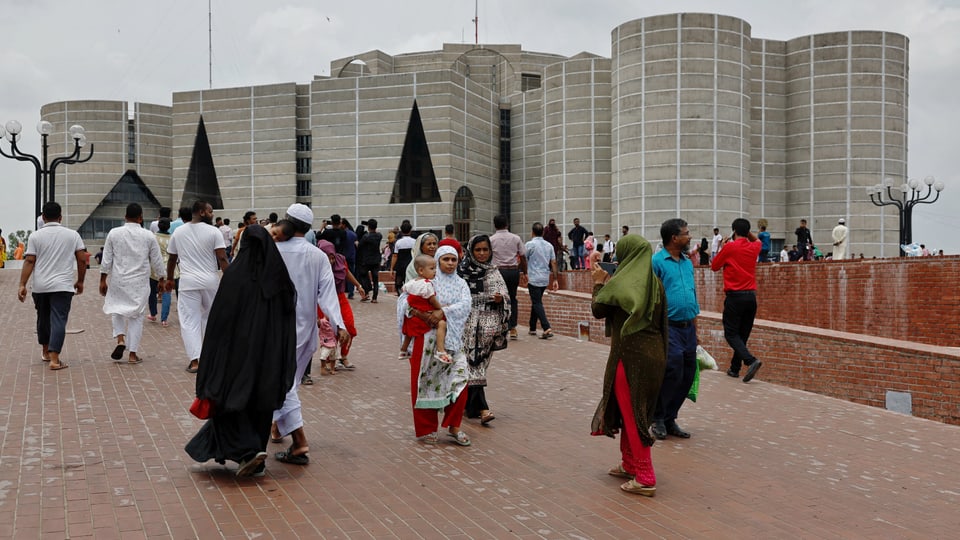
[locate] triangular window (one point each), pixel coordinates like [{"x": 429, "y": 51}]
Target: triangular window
[
  {"x": 415, "y": 181},
  {"x": 109, "y": 213},
  {"x": 201, "y": 184}
]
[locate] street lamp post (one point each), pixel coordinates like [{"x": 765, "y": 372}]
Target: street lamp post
[
  {"x": 908, "y": 196},
  {"x": 45, "y": 174}
]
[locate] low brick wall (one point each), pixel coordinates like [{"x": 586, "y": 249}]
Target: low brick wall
[
  {"x": 855, "y": 367},
  {"x": 909, "y": 298}
]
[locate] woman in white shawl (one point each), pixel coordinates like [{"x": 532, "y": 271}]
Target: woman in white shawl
[
  {"x": 426, "y": 244},
  {"x": 435, "y": 385}
]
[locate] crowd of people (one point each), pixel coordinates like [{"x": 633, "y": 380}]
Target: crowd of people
[{"x": 257, "y": 304}]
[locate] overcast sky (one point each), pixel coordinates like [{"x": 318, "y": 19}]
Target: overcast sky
[{"x": 145, "y": 51}]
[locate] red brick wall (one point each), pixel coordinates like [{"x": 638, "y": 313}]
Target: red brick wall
[
  {"x": 910, "y": 298},
  {"x": 855, "y": 367}
]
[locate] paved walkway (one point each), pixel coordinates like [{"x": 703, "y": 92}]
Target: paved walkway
[{"x": 96, "y": 451}]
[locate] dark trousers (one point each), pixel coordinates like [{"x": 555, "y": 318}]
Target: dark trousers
[
  {"x": 681, "y": 369},
  {"x": 512, "y": 277},
  {"x": 476, "y": 402},
  {"x": 52, "y": 312},
  {"x": 370, "y": 278},
  {"x": 352, "y": 266},
  {"x": 537, "y": 313},
  {"x": 739, "y": 310}
]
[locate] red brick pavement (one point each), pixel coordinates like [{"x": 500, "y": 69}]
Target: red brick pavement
[{"x": 96, "y": 451}]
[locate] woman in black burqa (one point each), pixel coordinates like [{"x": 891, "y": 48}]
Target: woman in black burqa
[{"x": 248, "y": 360}]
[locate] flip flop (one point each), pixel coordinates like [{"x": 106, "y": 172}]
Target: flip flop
[
  {"x": 247, "y": 468},
  {"x": 287, "y": 456},
  {"x": 118, "y": 351},
  {"x": 547, "y": 334},
  {"x": 58, "y": 367},
  {"x": 44, "y": 358},
  {"x": 191, "y": 369},
  {"x": 460, "y": 438},
  {"x": 487, "y": 418},
  {"x": 136, "y": 360}
]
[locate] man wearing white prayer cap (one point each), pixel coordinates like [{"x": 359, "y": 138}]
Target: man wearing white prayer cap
[
  {"x": 840, "y": 233},
  {"x": 310, "y": 271}
]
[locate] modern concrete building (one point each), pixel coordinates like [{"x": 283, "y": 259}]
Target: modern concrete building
[{"x": 689, "y": 116}]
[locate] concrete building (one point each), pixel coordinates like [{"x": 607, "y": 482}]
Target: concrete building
[{"x": 689, "y": 116}]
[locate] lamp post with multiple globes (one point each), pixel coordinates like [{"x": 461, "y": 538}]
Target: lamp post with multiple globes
[
  {"x": 904, "y": 198},
  {"x": 45, "y": 173}
]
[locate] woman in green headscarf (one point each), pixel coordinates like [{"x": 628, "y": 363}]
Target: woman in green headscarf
[{"x": 633, "y": 304}]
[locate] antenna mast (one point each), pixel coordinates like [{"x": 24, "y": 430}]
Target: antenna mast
[
  {"x": 476, "y": 23},
  {"x": 210, "y": 41}
]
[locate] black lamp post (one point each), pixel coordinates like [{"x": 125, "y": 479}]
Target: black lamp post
[
  {"x": 45, "y": 174},
  {"x": 907, "y": 196}
]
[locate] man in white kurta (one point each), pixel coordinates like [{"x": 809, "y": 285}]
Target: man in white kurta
[
  {"x": 199, "y": 249},
  {"x": 129, "y": 254},
  {"x": 310, "y": 271},
  {"x": 840, "y": 233}
]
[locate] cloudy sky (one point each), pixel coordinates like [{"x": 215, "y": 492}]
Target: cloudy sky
[{"x": 135, "y": 50}]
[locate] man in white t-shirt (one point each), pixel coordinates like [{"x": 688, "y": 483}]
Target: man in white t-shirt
[
  {"x": 200, "y": 250},
  {"x": 784, "y": 254},
  {"x": 50, "y": 257},
  {"x": 715, "y": 243}
]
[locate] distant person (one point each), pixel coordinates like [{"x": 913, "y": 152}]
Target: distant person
[
  {"x": 840, "y": 233},
  {"x": 368, "y": 260},
  {"x": 738, "y": 260},
  {"x": 163, "y": 213},
  {"x": 608, "y": 247},
  {"x": 402, "y": 255},
  {"x": 703, "y": 251},
  {"x": 634, "y": 308},
  {"x": 784, "y": 254},
  {"x": 197, "y": 247},
  {"x": 3, "y": 250},
  {"x": 249, "y": 218},
  {"x": 578, "y": 251},
  {"x": 130, "y": 254},
  {"x": 804, "y": 241},
  {"x": 50, "y": 259},
  {"x": 184, "y": 215},
  {"x": 794, "y": 254},
  {"x": 509, "y": 257},
  {"x": 541, "y": 274},
  {"x": 764, "y": 237},
  {"x": 715, "y": 243},
  {"x": 924, "y": 252}
]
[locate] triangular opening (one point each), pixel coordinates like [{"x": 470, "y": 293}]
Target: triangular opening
[
  {"x": 109, "y": 213},
  {"x": 415, "y": 181},
  {"x": 201, "y": 181}
]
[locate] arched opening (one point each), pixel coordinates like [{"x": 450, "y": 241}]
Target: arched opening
[
  {"x": 486, "y": 67},
  {"x": 463, "y": 213}
]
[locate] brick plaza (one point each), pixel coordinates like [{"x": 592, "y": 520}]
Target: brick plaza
[{"x": 96, "y": 451}]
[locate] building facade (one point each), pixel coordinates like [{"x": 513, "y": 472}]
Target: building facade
[{"x": 690, "y": 116}]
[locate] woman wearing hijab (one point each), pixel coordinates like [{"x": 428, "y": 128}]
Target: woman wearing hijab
[
  {"x": 341, "y": 275},
  {"x": 633, "y": 304},
  {"x": 426, "y": 244},
  {"x": 704, "y": 251},
  {"x": 248, "y": 361},
  {"x": 489, "y": 322},
  {"x": 435, "y": 385}
]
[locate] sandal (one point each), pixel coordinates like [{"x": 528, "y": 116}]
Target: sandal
[
  {"x": 307, "y": 380},
  {"x": 193, "y": 368},
  {"x": 58, "y": 367},
  {"x": 346, "y": 365},
  {"x": 404, "y": 355},
  {"x": 460, "y": 438},
  {"x": 620, "y": 472},
  {"x": 632, "y": 486},
  {"x": 431, "y": 438},
  {"x": 287, "y": 456},
  {"x": 135, "y": 360},
  {"x": 275, "y": 436},
  {"x": 487, "y": 418},
  {"x": 118, "y": 351},
  {"x": 247, "y": 468},
  {"x": 547, "y": 334}
]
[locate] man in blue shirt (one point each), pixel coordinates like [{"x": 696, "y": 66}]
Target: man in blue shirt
[
  {"x": 541, "y": 273},
  {"x": 764, "y": 237},
  {"x": 675, "y": 270}
]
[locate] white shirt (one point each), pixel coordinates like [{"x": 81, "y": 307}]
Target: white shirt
[
  {"x": 195, "y": 246},
  {"x": 227, "y": 235},
  {"x": 155, "y": 226},
  {"x": 55, "y": 248},
  {"x": 310, "y": 272},
  {"x": 784, "y": 255},
  {"x": 405, "y": 242},
  {"x": 715, "y": 243},
  {"x": 129, "y": 253}
]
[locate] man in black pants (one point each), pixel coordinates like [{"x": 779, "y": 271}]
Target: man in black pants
[
  {"x": 509, "y": 256},
  {"x": 368, "y": 260},
  {"x": 738, "y": 259}
]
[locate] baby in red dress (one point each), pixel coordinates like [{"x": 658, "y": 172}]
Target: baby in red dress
[{"x": 422, "y": 296}]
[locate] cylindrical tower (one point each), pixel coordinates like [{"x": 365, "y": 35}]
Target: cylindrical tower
[
  {"x": 681, "y": 122},
  {"x": 576, "y": 142},
  {"x": 847, "y": 125}
]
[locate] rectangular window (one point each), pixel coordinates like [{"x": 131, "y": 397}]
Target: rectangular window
[
  {"x": 131, "y": 141},
  {"x": 304, "y": 188},
  {"x": 304, "y": 143},
  {"x": 529, "y": 81},
  {"x": 303, "y": 165},
  {"x": 505, "y": 201}
]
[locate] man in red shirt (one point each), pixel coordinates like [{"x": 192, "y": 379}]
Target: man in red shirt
[{"x": 738, "y": 259}]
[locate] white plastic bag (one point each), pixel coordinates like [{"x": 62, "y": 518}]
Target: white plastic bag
[{"x": 706, "y": 361}]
